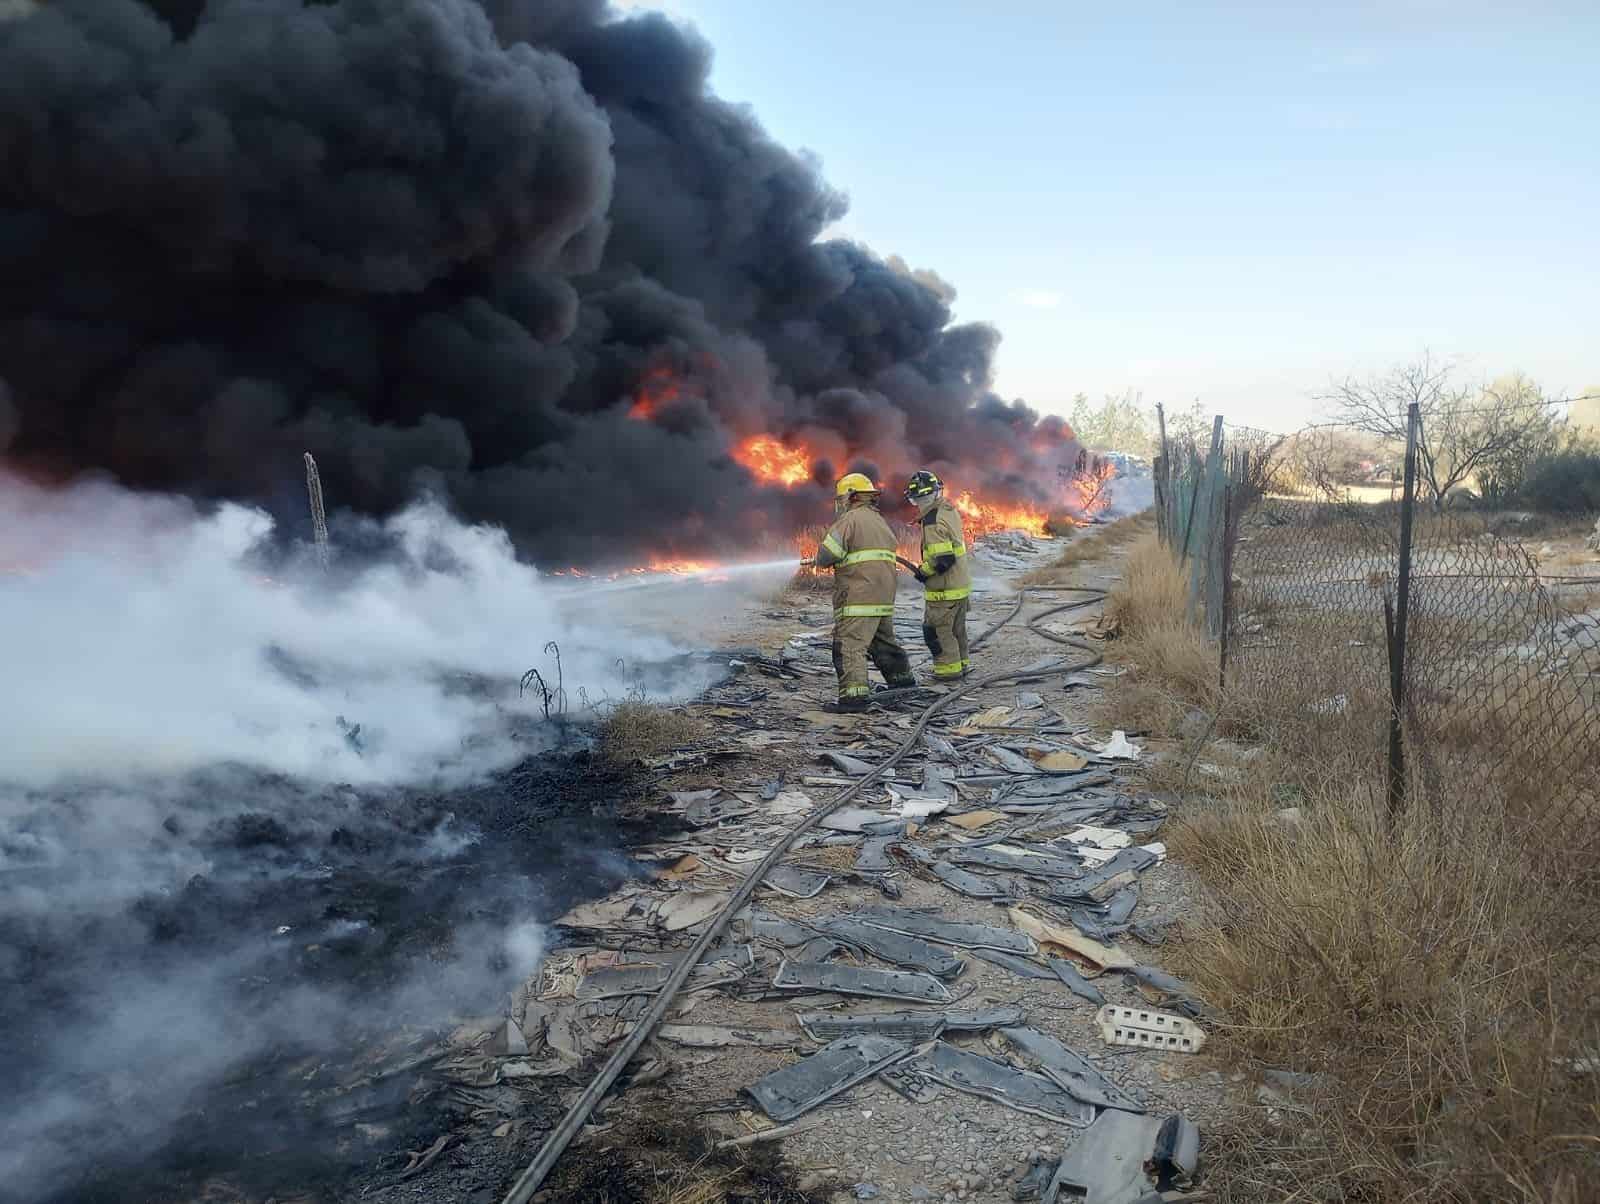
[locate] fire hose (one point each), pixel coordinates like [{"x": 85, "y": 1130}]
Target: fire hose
[{"x": 556, "y": 1144}]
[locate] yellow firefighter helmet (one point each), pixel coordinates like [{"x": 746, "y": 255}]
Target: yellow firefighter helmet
[{"x": 854, "y": 482}]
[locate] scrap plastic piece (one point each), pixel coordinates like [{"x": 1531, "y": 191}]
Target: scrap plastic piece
[
  {"x": 907, "y": 1026},
  {"x": 851, "y": 819},
  {"x": 1177, "y": 1152},
  {"x": 1047, "y": 932},
  {"x": 1000, "y": 1082},
  {"x": 852, "y": 980},
  {"x": 896, "y": 947},
  {"x": 947, "y": 932},
  {"x": 1071, "y": 1070},
  {"x": 1017, "y": 965},
  {"x": 1075, "y": 982},
  {"x": 1145, "y": 1028},
  {"x": 795, "y": 882},
  {"x": 795, "y": 1090},
  {"x": 704, "y": 812},
  {"x": 1106, "y": 1164},
  {"x": 972, "y": 885},
  {"x": 768, "y": 927},
  {"x": 874, "y": 855},
  {"x": 622, "y": 980},
  {"x": 1035, "y": 865},
  {"x": 1164, "y": 988},
  {"x": 849, "y": 766},
  {"x": 715, "y": 1036}
]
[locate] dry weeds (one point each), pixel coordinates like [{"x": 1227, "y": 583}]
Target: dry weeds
[
  {"x": 1092, "y": 546},
  {"x": 636, "y": 731},
  {"x": 1439, "y": 973}
]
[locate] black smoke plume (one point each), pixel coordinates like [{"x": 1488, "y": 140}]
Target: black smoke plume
[{"x": 444, "y": 244}]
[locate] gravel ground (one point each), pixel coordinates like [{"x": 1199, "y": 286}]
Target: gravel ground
[{"x": 871, "y": 1142}]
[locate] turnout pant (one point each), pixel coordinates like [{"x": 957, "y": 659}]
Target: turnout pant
[
  {"x": 944, "y": 627},
  {"x": 856, "y": 639}
]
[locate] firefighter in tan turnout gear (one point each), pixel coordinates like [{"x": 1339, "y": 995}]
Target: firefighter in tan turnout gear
[
  {"x": 944, "y": 571},
  {"x": 860, "y": 549}
]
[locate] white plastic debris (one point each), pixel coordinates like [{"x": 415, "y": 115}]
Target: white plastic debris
[
  {"x": 1119, "y": 747},
  {"x": 1146, "y": 1028},
  {"x": 919, "y": 808},
  {"x": 1330, "y": 706},
  {"x": 1100, "y": 838}
]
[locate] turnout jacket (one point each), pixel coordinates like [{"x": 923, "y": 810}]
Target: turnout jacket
[
  {"x": 944, "y": 554},
  {"x": 860, "y": 549}
]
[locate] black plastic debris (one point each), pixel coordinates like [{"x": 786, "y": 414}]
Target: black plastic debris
[
  {"x": 916, "y": 1027},
  {"x": 1001, "y": 1083},
  {"x": 703, "y": 812},
  {"x": 795, "y": 1090},
  {"x": 974, "y": 886},
  {"x": 1106, "y": 1165},
  {"x": 795, "y": 882},
  {"x": 895, "y": 947},
  {"x": 1017, "y": 965},
  {"x": 853, "y": 767},
  {"x": 1072, "y": 1071},
  {"x": 1076, "y": 982},
  {"x": 852, "y": 980},
  {"x": 623, "y": 980},
  {"x": 1034, "y": 865},
  {"x": 948, "y": 932},
  {"x": 1166, "y": 989},
  {"x": 1176, "y": 1156},
  {"x": 874, "y": 855}
]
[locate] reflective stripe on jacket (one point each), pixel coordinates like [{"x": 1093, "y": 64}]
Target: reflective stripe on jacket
[
  {"x": 860, "y": 548},
  {"x": 942, "y": 536}
]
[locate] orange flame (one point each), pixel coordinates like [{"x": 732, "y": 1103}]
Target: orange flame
[
  {"x": 658, "y": 387},
  {"x": 679, "y": 567},
  {"x": 981, "y": 518},
  {"x": 773, "y": 462}
]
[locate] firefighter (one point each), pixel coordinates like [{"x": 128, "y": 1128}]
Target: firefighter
[
  {"x": 860, "y": 549},
  {"x": 945, "y": 574}
]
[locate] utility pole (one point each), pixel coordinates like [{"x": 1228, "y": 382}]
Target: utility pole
[{"x": 319, "y": 519}]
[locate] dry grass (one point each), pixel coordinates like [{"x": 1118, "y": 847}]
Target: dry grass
[
  {"x": 1093, "y": 545},
  {"x": 1440, "y": 972},
  {"x": 636, "y": 731},
  {"x": 1156, "y": 641}
]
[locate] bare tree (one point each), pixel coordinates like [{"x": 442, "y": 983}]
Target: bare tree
[{"x": 1463, "y": 428}]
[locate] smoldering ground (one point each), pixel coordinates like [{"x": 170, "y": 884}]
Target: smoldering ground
[
  {"x": 252, "y": 812},
  {"x": 452, "y": 240}
]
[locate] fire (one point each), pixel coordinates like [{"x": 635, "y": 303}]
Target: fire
[
  {"x": 980, "y": 518},
  {"x": 658, "y": 388},
  {"x": 682, "y": 568},
  {"x": 773, "y": 462}
]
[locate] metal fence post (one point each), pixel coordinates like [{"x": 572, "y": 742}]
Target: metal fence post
[
  {"x": 1397, "y": 634},
  {"x": 1230, "y": 532},
  {"x": 1163, "y": 466},
  {"x": 1206, "y": 522}
]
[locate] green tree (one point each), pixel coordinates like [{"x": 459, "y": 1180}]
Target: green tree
[{"x": 1118, "y": 423}]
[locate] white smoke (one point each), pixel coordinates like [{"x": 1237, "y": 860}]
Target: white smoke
[{"x": 140, "y": 636}]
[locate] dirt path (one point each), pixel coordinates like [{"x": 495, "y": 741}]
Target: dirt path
[{"x": 900, "y": 1138}]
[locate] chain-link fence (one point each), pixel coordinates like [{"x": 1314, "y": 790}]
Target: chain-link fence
[{"x": 1407, "y": 648}]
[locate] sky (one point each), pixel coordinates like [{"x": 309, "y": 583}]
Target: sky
[{"x": 1232, "y": 202}]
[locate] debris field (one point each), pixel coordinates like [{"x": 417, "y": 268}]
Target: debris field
[{"x": 948, "y": 989}]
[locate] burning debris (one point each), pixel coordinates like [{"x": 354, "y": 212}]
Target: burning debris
[{"x": 597, "y": 313}]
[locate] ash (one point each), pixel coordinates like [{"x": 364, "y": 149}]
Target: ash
[{"x": 226, "y": 972}]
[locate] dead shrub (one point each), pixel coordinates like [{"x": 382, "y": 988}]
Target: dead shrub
[
  {"x": 1422, "y": 974},
  {"x": 1439, "y": 970},
  {"x": 636, "y": 731},
  {"x": 1092, "y": 545}
]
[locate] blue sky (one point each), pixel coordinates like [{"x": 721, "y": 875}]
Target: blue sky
[{"x": 1228, "y": 201}]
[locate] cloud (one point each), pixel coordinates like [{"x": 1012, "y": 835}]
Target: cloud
[{"x": 1040, "y": 298}]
